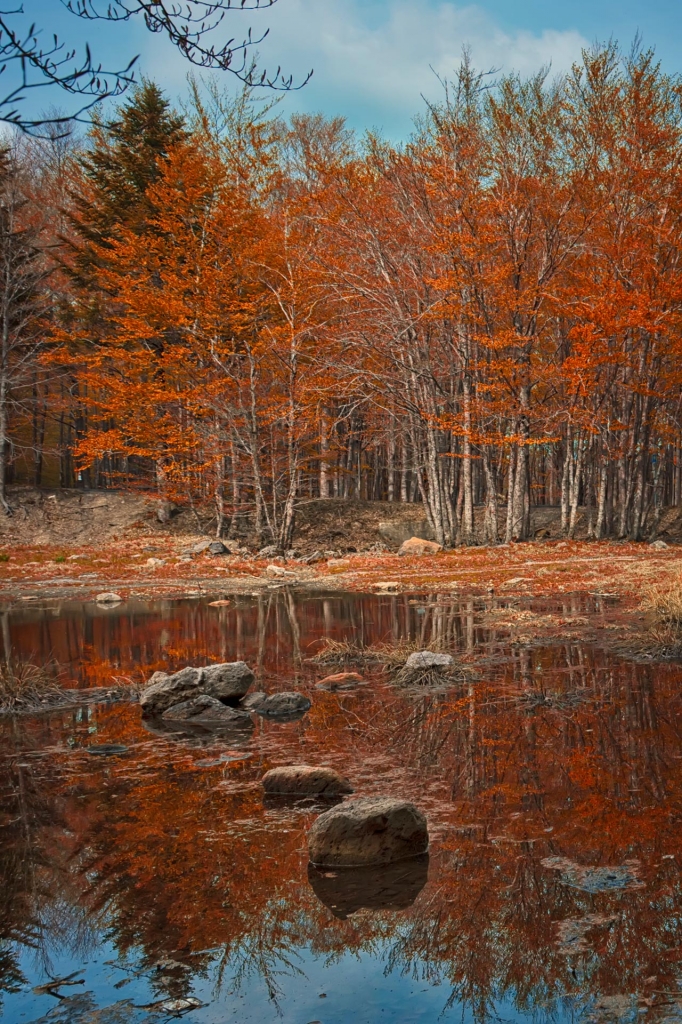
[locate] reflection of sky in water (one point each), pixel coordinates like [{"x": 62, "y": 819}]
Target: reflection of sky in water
[
  {"x": 357, "y": 990},
  {"x": 553, "y": 890}
]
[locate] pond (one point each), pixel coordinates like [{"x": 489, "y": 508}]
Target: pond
[{"x": 157, "y": 884}]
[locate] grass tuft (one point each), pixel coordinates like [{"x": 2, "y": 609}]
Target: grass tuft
[{"x": 26, "y": 687}]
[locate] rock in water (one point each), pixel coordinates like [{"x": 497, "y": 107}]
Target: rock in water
[
  {"x": 305, "y": 780},
  {"x": 226, "y": 681},
  {"x": 108, "y": 598},
  {"x": 339, "y": 681},
  {"x": 417, "y": 546},
  {"x": 373, "y": 830},
  {"x": 428, "y": 659},
  {"x": 205, "y": 710},
  {"x": 281, "y": 705}
]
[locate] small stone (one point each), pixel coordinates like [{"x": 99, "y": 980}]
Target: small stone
[
  {"x": 278, "y": 571},
  {"x": 305, "y": 780},
  {"x": 371, "y": 830},
  {"x": 418, "y": 546},
  {"x": 108, "y": 597},
  {"x": 153, "y": 562},
  {"x": 386, "y": 585},
  {"x": 659, "y": 545}
]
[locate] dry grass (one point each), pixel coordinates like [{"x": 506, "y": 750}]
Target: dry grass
[
  {"x": 25, "y": 687},
  {"x": 664, "y": 604},
  {"x": 392, "y": 653}
]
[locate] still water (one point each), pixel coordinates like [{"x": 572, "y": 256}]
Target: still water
[{"x": 160, "y": 884}]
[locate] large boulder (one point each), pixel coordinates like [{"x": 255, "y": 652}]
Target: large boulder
[
  {"x": 371, "y": 830},
  {"x": 418, "y": 546},
  {"x": 288, "y": 704},
  {"x": 205, "y": 710},
  {"x": 227, "y": 681},
  {"x": 383, "y": 887},
  {"x": 305, "y": 780}
]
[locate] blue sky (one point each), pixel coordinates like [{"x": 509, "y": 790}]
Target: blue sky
[{"x": 372, "y": 58}]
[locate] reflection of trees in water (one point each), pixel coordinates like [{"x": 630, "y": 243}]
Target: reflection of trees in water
[{"x": 176, "y": 860}]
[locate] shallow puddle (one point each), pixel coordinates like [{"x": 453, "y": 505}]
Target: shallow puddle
[{"x": 145, "y": 879}]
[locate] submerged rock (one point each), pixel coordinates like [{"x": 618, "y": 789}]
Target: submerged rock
[
  {"x": 305, "y": 780},
  {"x": 384, "y": 887},
  {"x": 207, "y": 710},
  {"x": 340, "y": 681},
  {"x": 289, "y": 704},
  {"x": 417, "y": 546},
  {"x": 371, "y": 830},
  {"x": 227, "y": 681}
]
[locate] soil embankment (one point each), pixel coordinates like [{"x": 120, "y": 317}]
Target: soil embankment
[{"x": 77, "y": 517}]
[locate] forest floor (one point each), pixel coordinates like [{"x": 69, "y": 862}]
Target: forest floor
[{"x": 77, "y": 546}]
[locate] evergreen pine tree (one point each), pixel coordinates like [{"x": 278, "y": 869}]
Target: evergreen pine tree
[{"x": 118, "y": 170}]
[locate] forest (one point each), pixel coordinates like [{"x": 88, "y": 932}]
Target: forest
[{"x": 240, "y": 312}]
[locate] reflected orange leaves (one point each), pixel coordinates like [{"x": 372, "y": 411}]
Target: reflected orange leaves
[{"x": 172, "y": 850}]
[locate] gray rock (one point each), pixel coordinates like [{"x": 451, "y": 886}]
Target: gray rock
[
  {"x": 252, "y": 700},
  {"x": 108, "y": 598},
  {"x": 281, "y": 705},
  {"x": 207, "y": 710},
  {"x": 200, "y": 547},
  {"x": 165, "y": 511},
  {"x": 216, "y": 547},
  {"x": 371, "y": 830},
  {"x": 660, "y": 545},
  {"x": 269, "y": 551},
  {"x": 428, "y": 659},
  {"x": 225, "y": 681},
  {"x": 305, "y": 780},
  {"x": 396, "y": 531}
]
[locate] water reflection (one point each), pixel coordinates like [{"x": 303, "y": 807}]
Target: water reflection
[{"x": 553, "y": 788}]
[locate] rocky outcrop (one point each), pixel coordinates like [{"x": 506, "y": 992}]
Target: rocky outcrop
[
  {"x": 227, "y": 681},
  {"x": 205, "y": 710},
  {"x": 417, "y": 546},
  {"x": 305, "y": 780},
  {"x": 372, "y": 830},
  {"x": 384, "y": 887},
  {"x": 288, "y": 704}
]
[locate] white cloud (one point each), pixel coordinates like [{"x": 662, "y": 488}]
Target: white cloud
[{"x": 373, "y": 61}]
